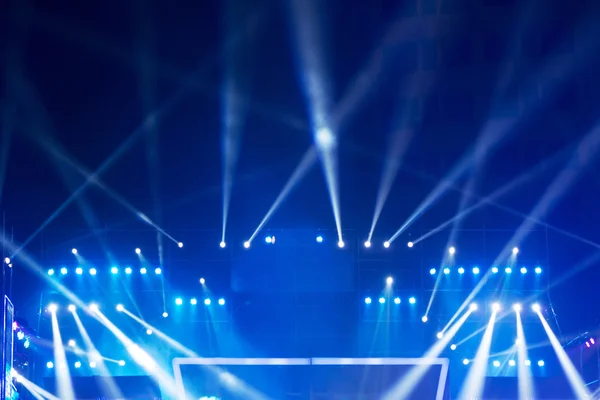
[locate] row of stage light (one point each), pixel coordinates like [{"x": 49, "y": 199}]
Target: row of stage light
[
  {"x": 476, "y": 270},
  {"x": 93, "y": 271}
]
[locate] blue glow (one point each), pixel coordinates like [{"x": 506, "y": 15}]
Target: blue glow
[
  {"x": 541, "y": 363},
  {"x": 128, "y": 270},
  {"x": 207, "y": 302},
  {"x": 193, "y": 302},
  {"x": 508, "y": 270},
  {"x": 269, "y": 239},
  {"x": 461, "y": 270},
  {"x": 319, "y": 239},
  {"x": 158, "y": 271},
  {"x": 476, "y": 270},
  {"x": 523, "y": 270},
  {"x": 382, "y": 300},
  {"x": 50, "y": 272},
  {"x": 63, "y": 271},
  {"x": 397, "y": 300},
  {"x": 178, "y": 301},
  {"x": 79, "y": 270},
  {"x": 93, "y": 271},
  {"x": 114, "y": 270},
  {"x": 412, "y": 300},
  {"x": 367, "y": 300},
  {"x": 446, "y": 271},
  {"x": 221, "y": 302},
  {"x": 538, "y": 270},
  {"x": 432, "y": 271},
  {"x": 143, "y": 271},
  {"x": 495, "y": 270}
]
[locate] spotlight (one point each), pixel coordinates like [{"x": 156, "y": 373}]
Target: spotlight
[
  {"x": 382, "y": 300},
  {"x": 475, "y": 270},
  {"x": 93, "y": 271},
  {"x": 515, "y": 251},
  {"x": 148, "y": 331},
  {"x": 21, "y": 336},
  {"x": 114, "y": 270},
  {"x": 122, "y": 363},
  {"x": 49, "y": 365},
  {"x": 587, "y": 344},
  {"x": 92, "y": 364},
  {"x": 180, "y": 244},
  {"x": 269, "y": 240},
  {"x": 592, "y": 341},
  {"x": 128, "y": 270},
  {"x": 138, "y": 251},
  {"x": 94, "y": 307},
  {"x": 496, "y": 307},
  {"x": 511, "y": 363},
  {"x": 424, "y": 318},
  {"x": 538, "y": 270},
  {"x": 7, "y": 260},
  {"x": 452, "y": 250},
  {"x": 432, "y": 271},
  {"x": 527, "y": 362},
  {"x": 74, "y": 251},
  {"x": 77, "y": 364},
  {"x": 410, "y": 245},
  {"x": 50, "y": 272},
  {"x": 523, "y": 270},
  {"x": 53, "y": 308},
  {"x": 386, "y": 244},
  {"x": 246, "y": 244},
  {"x": 397, "y": 300},
  {"x": 179, "y": 301},
  {"x": 367, "y": 244},
  {"x": 389, "y": 280},
  {"x": 461, "y": 270},
  {"x": 341, "y": 244},
  {"x": 495, "y": 270},
  {"x": 165, "y": 314},
  {"x": 473, "y": 307},
  {"x": 440, "y": 335},
  {"x": 496, "y": 363},
  {"x": 446, "y": 271},
  {"x": 79, "y": 270},
  {"x": 452, "y": 347},
  {"x": 143, "y": 271},
  {"x": 120, "y": 307},
  {"x": 367, "y": 300},
  {"x": 63, "y": 271},
  {"x": 465, "y": 361},
  {"x": 157, "y": 271},
  {"x": 536, "y": 307},
  {"x": 71, "y": 308},
  {"x": 221, "y": 302},
  {"x": 207, "y": 302},
  {"x": 517, "y": 307},
  {"x": 193, "y": 302},
  {"x": 71, "y": 343},
  {"x": 541, "y": 363},
  {"x": 508, "y": 270},
  {"x": 412, "y": 300},
  {"x": 319, "y": 239},
  {"x": 202, "y": 281},
  {"x": 222, "y": 244}
]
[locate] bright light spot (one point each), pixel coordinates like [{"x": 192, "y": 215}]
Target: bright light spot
[
  {"x": 74, "y": 251},
  {"x": 367, "y": 244},
  {"x": 389, "y": 280},
  {"x": 157, "y": 271},
  {"x": 49, "y": 365},
  {"x": 138, "y": 251},
  {"x": 319, "y": 239},
  {"x": 465, "y": 362},
  {"x": 341, "y": 244},
  {"x": 120, "y": 307},
  {"x": 50, "y": 272},
  {"x": 432, "y": 271},
  {"x": 397, "y": 300},
  {"x": 148, "y": 331},
  {"x": 367, "y": 300},
  {"x": 592, "y": 341},
  {"x": 21, "y": 335},
  {"x": 246, "y": 244},
  {"x": 128, "y": 270},
  {"x": 179, "y": 301},
  {"x": 202, "y": 281},
  {"x": 523, "y": 270},
  {"x": 71, "y": 307},
  {"x": 165, "y": 314},
  {"x": 77, "y": 364},
  {"x": 53, "y": 308},
  {"x": 122, "y": 363},
  {"x": 536, "y": 307},
  {"x": 473, "y": 307},
  {"x": 222, "y": 245},
  {"x": 541, "y": 363},
  {"x": 515, "y": 251},
  {"x": 475, "y": 270},
  {"x": 93, "y": 271},
  {"x": 410, "y": 244},
  {"x": 517, "y": 307},
  {"x": 269, "y": 240},
  {"x": 92, "y": 364},
  {"x": 143, "y": 271},
  {"x": 495, "y": 270},
  {"x": 412, "y": 300},
  {"x": 528, "y": 362},
  {"x": 496, "y": 363},
  {"x": 440, "y": 335},
  {"x": 221, "y": 302},
  {"x": 386, "y": 245},
  {"x": 207, "y": 302},
  {"x": 193, "y": 302},
  {"x": 496, "y": 307},
  {"x": 452, "y": 347},
  {"x": 538, "y": 270},
  {"x": 446, "y": 271},
  {"x": 324, "y": 138},
  {"x": 7, "y": 260},
  {"x": 94, "y": 307},
  {"x": 508, "y": 270},
  {"x": 461, "y": 270},
  {"x": 63, "y": 271},
  {"x": 114, "y": 270},
  {"x": 79, "y": 271},
  {"x": 180, "y": 244},
  {"x": 511, "y": 363},
  {"x": 424, "y": 318},
  {"x": 452, "y": 250},
  {"x": 382, "y": 300},
  {"x": 71, "y": 343}
]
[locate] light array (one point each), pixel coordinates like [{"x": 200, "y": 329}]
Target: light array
[
  {"x": 114, "y": 270},
  {"x": 476, "y": 270},
  {"x": 194, "y": 301},
  {"x": 78, "y": 364},
  {"x": 396, "y": 300},
  {"x": 510, "y": 363}
]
